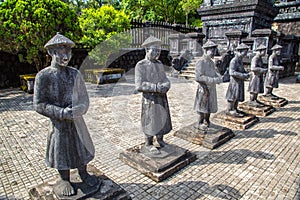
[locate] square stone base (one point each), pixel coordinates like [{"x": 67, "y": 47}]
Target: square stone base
[
  {"x": 159, "y": 167},
  {"x": 105, "y": 190},
  {"x": 280, "y": 102},
  {"x": 258, "y": 111},
  {"x": 212, "y": 138},
  {"x": 237, "y": 123}
]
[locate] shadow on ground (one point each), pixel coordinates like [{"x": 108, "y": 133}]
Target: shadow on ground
[
  {"x": 278, "y": 120},
  {"x": 263, "y": 133},
  {"x": 235, "y": 156},
  {"x": 15, "y": 100},
  {"x": 183, "y": 190}
]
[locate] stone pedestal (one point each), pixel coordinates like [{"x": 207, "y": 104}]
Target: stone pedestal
[
  {"x": 258, "y": 111},
  {"x": 280, "y": 102},
  {"x": 212, "y": 138},
  {"x": 158, "y": 167},
  {"x": 238, "y": 123},
  {"x": 105, "y": 190}
]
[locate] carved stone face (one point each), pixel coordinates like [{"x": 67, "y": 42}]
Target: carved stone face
[
  {"x": 243, "y": 52},
  {"x": 153, "y": 52},
  {"x": 61, "y": 55},
  {"x": 278, "y": 52},
  {"x": 261, "y": 52},
  {"x": 211, "y": 52}
]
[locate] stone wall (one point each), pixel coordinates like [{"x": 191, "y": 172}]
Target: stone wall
[
  {"x": 11, "y": 67},
  {"x": 127, "y": 58},
  {"x": 224, "y": 16}
]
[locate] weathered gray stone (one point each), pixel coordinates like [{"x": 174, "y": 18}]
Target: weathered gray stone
[
  {"x": 237, "y": 123},
  {"x": 105, "y": 190},
  {"x": 212, "y": 138},
  {"x": 158, "y": 167}
]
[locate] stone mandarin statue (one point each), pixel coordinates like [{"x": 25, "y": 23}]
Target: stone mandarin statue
[
  {"x": 207, "y": 76},
  {"x": 238, "y": 74},
  {"x": 272, "y": 77},
  {"x": 256, "y": 76},
  {"x": 61, "y": 95},
  {"x": 151, "y": 80}
]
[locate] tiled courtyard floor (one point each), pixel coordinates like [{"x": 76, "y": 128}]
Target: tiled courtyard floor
[{"x": 262, "y": 162}]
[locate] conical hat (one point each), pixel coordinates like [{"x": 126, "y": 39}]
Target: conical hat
[
  {"x": 242, "y": 46},
  {"x": 209, "y": 44},
  {"x": 276, "y": 46},
  {"x": 58, "y": 40},
  {"x": 261, "y": 47},
  {"x": 150, "y": 41}
]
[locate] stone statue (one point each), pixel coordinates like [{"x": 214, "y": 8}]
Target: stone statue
[
  {"x": 61, "y": 95},
  {"x": 207, "y": 76},
  {"x": 151, "y": 80},
  {"x": 272, "y": 76},
  {"x": 235, "y": 92},
  {"x": 256, "y": 85}
]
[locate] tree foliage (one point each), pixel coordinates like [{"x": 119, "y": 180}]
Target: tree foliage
[
  {"x": 190, "y": 7},
  {"x": 164, "y": 10},
  {"x": 78, "y": 5},
  {"x": 172, "y": 11},
  {"x": 26, "y": 25},
  {"x": 100, "y": 24}
]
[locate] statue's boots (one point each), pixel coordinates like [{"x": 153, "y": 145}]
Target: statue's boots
[
  {"x": 234, "y": 113},
  {"x": 272, "y": 96},
  {"x": 255, "y": 104},
  {"x": 161, "y": 141},
  {"x": 203, "y": 127},
  {"x": 152, "y": 149}
]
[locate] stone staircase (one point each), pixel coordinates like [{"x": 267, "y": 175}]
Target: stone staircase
[{"x": 189, "y": 71}]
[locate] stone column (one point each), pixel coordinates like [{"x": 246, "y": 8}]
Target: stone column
[
  {"x": 175, "y": 43},
  {"x": 195, "y": 43},
  {"x": 266, "y": 37},
  {"x": 234, "y": 38}
]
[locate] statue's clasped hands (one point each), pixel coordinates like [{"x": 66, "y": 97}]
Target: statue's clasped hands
[
  {"x": 162, "y": 87},
  {"x": 70, "y": 112}
]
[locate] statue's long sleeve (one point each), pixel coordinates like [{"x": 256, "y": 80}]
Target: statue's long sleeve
[
  {"x": 233, "y": 71},
  {"x": 40, "y": 102},
  {"x": 140, "y": 84},
  {"x": 202, "y": 78}
]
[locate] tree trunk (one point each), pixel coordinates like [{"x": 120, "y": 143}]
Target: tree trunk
[{"x": 186, "y": 19}]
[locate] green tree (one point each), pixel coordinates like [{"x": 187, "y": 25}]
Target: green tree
[
  {"x": 190, "y": 7},
  {"x": 164, "y": 10},
  {"x": 100, "y": 25},
  {"x": 28, "y": 24},
  {"x": 78, "y": 5}
]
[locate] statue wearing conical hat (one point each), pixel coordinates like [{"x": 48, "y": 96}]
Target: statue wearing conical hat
[
  {"x": 257, "y": 69},
  {"x": 151, "y": 80},
  {"x": 235, "y": 92},
  {"x": 272, "y": 77},
  {"x": 61, "y": 95},
  {"x": 207, "y": 76}
]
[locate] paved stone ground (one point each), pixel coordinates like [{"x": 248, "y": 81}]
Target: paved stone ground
[{"x": 262, "y": 162}]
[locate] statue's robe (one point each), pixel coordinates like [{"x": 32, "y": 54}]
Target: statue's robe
[
  {"x": 69, "y": 144},
  {"x": 156, "y": 119}
]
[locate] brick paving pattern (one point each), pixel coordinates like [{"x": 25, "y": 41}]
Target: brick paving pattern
[{"x": 262, "y": 162}]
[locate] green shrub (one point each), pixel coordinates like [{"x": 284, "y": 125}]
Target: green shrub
[
  {"x": 100, "y": 24},
  {"x": 100, "y": 27},
  {"x": 26, "y": 25}
]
